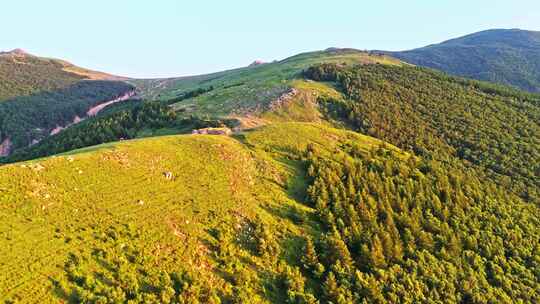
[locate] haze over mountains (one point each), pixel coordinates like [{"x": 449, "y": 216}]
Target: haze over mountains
[{"x": 336, "y": 176}]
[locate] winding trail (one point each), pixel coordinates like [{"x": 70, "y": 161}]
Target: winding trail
[{"x": 94, "y": 111}]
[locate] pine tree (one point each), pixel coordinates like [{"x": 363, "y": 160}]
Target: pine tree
[{"x": 377, "y": 258}]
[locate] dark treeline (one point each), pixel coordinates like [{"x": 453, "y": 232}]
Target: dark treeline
[
  {"x": 26, "y": 118},
  {"x": 491, "y": 128},
  {"x": 124, "y": 121},
  {"x": 190, "y": 94}
]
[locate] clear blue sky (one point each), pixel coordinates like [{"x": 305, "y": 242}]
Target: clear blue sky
[{"x": 173, "y": 37}]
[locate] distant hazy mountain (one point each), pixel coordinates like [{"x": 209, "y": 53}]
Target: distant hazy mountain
[{"x": 506, "y": 56}]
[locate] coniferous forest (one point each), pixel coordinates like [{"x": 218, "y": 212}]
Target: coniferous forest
[{"x": 493, "y": 129}]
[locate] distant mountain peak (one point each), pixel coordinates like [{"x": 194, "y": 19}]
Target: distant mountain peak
[
  {"x": 15, "y": 52},
  {"x": 256, "y": 63},
  {"x": 18, "y": 51}
]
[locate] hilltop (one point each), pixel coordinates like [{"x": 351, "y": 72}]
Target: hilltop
[
  {"x": 22, "y": 73},
  {"x": 505, "y": 56},
  {"x": 248, "y": 90}
]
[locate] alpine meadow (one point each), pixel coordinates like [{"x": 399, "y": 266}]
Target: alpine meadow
[{"x": 336, "y": 176}]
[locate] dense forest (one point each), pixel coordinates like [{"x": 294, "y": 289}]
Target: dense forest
[
  {"x": 417, "y": 231},
  {"x": 24, "y": 119},
  {"x": 493, "y": 129}
]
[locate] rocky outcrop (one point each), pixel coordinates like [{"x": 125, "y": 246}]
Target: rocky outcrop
[
  {"x": 15, "y": 52},
  {"x": 284, "y": 98},
  {"x": 213, "y": 131},
  {"x": 256, "y": 63},
  {"x": 5, "y": 147}
]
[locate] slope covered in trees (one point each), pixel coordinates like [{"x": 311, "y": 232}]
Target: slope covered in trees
[
  {"x": 510, "y": 57},
  {"x": 492, "y": 129},
  {"x": 26, "y": 119},
  {"x": 132, "y": 119},
  {"x": 25, "y": 74},
  {"x": 287, "y": 213},
  {"x": 39, "y": 94},
  {"x": 414, "y": 231}
]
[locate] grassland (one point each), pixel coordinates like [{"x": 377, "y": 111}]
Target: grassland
[{"x": 251, "y": 89}]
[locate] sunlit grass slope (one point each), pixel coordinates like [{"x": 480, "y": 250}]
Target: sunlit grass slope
[
  {"x": 107, "y": 214},
  {"x": 249, "y": 89}
]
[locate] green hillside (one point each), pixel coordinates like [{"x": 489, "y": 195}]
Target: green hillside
[
  {"x": 27, "y": 119},
  {"x": 350, "y": 178},
  {"x": 242, "y": 98},
  {"x": 490, "y": 128},
  {"x": 25, "y": 74},
  {"x": 291, "y": 212},
  {"x": 510, "y": 57},
  {"x": 247, "y": 90},
  {"x": 494, "y": 130}
]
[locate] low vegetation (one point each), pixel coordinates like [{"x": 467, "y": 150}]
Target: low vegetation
[{"x": 247, "y": 90}]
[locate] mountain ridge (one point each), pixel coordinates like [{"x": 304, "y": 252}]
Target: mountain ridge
[
  {"x": 19, "y": 53},
  {"x": 505, "y": 56}
]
